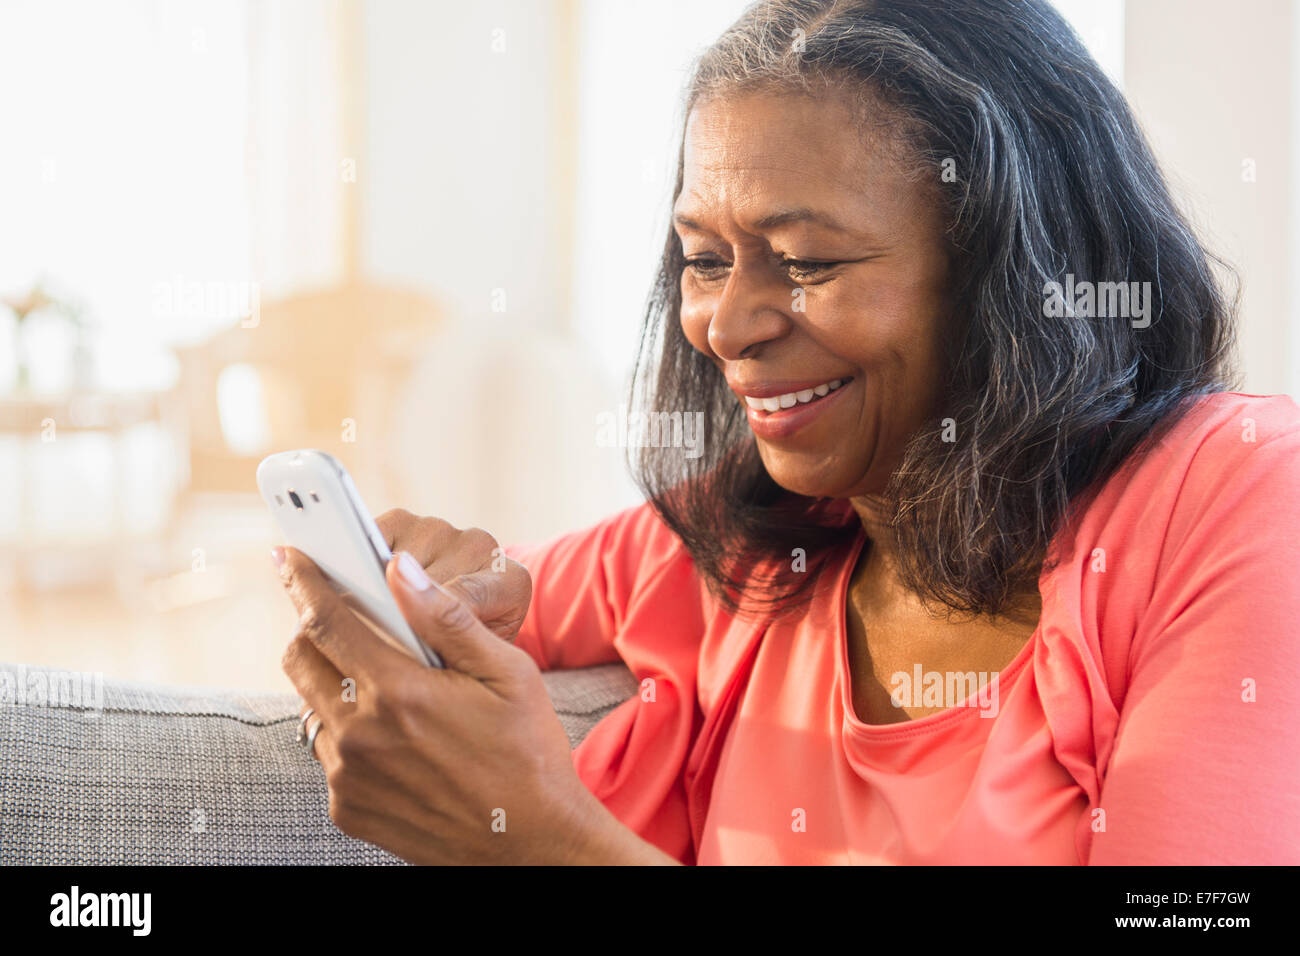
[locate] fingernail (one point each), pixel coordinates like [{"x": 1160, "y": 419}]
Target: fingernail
[
  {"x": 412, "y": 573},
  {"x": 277, "y": 555}
]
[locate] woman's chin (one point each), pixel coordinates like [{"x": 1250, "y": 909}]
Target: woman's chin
[
  {"x": 825, "y": 475},
  {"x": 810, "y": 485}
]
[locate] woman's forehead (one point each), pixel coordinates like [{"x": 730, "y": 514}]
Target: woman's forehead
[{"x": 770, "y": 157}]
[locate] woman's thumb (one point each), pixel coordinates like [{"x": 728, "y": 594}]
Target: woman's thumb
[
  {"x": 497, "y": 598},
  {"x": 442, "y": 619}
]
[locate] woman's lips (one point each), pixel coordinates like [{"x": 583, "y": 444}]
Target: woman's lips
[{"x": 785, "y": 422}]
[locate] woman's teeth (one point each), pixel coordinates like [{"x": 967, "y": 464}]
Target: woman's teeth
[{"x": 777, "y": 402}]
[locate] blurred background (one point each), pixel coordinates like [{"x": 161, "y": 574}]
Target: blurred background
[{"x": 418, "y": 235}]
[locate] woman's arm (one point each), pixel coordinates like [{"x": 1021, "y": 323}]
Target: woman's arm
[
  {"x": 1206, "y": 763},
  {"x": 584, "y": 583}
]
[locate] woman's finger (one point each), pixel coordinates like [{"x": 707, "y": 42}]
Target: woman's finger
[
  {"x": 316, "y": 679},
  {"x": 331, "y": 626},
  {"x": 499, "y": 599},
  {"x": 322, "y": 689},
  {"x": 447, "y": 624}
]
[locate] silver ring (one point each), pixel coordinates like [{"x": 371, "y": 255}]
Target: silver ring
[
  {"x": 302, "y": 725},
  {"x": 311, "y": 738}
]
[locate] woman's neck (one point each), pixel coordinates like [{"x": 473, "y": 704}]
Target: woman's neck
[
  {"x": 876, "y": 581},
  {"x": 873, "y": 511}
]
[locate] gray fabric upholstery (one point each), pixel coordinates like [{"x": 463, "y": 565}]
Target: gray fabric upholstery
[{"x": 146, "y": 774}]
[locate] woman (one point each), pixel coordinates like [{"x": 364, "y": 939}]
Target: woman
[{"x": 983, "y": 562}]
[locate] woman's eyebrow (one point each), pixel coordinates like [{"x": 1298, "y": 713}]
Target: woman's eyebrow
[
  {"x": 772, "y": 220},
  {"x": 687, "y": 222},
  {"x": 784, "y": 217}
]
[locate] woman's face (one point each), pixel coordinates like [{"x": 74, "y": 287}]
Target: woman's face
[{"x": 813, "y": 260}]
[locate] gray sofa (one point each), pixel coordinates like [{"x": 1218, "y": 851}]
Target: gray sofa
[{"x": 188, "y": 776}]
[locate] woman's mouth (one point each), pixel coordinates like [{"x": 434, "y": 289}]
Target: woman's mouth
[
  {"x": 773, "y": 417},
  {"x": 803, "y": 397}
]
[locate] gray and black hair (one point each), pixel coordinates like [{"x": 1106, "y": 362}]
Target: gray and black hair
[{"x": 1053, "y": 178}]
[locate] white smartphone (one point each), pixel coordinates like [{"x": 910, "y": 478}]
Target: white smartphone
[{"x": 318, "y": 509}]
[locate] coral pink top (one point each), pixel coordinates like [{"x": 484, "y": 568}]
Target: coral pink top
[{"x": 1153, "y": 717}]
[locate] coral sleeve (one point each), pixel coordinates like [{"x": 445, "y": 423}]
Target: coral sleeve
[
  {"x": 627, "y": 590},
  {"x": 584, "y": 583},
  {"x": 1206, "y": 763}
]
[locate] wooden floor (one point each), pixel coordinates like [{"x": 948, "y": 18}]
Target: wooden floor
[{"x": 165, "y": 611}]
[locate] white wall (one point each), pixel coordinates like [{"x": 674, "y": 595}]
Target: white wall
[
  {"x": 629, "y": 133},
  {"x": 461, "y": 197},
  {"x": 1100, "y": 24},
  {"x": 1216, "y": 90},
  {"x": 457, "y": 181}
]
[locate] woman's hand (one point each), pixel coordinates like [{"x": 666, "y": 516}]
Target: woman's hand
[
  {"x": 467, "y": 563},
  {"x": 463, "y": 765}
]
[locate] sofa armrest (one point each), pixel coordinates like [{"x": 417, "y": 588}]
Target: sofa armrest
[{"x": 107, "y": 772}]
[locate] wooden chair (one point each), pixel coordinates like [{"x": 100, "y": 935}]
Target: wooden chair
[{"x": 331, "y": 364}]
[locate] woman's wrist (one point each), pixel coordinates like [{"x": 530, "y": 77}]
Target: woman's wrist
[{"x": 598, "y": 838}]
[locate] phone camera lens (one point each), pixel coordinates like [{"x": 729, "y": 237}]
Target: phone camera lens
[{"x": 297, "y": 502}]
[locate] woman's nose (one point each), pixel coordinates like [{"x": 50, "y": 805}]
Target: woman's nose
[{"x": 752, "y": 309}]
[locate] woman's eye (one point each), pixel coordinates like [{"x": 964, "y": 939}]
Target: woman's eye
[
  {"x": 801, "y": 269},
  {"x": 707, "y": 268}
]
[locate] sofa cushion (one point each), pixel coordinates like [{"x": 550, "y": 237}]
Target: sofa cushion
[{"x": 100, "y": 772}]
